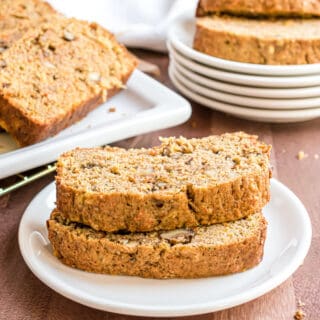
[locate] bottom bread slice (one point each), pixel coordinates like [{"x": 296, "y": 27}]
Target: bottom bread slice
[{"x": 183, "y": 253}]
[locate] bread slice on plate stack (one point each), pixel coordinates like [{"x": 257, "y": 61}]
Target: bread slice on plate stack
[
  {"x": 184, "y": 209},
  {"x": 54, "y": 70},
  {"x": 257, "y": 60},
  {"x": 276, "y": 32}
]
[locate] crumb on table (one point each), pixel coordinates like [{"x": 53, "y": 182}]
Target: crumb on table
[
  {"x": 299, "y": 315},
  {"x": 316, "y": 156},
  {"x": 193, "y": 124},
  {"x": 301, "y": 155}
]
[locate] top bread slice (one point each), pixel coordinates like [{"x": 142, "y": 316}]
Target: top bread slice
[
  {"x": 55, "y": 74},
  {"x": 18, "y": 16},
  {"x": 267, "y": 8},
  {"x": 181, "y": 183}
]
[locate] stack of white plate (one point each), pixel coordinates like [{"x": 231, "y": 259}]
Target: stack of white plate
[{"x": 257, "y": 92}]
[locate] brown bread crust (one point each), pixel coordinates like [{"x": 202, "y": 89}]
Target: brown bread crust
[
  {"x": 279, "y": 49},
  {"x": 211, "y": 253},
  {"x": 28, "y": 131},
  {"x": 292, "y": 8},
  {"x": 190, "y": 206}
]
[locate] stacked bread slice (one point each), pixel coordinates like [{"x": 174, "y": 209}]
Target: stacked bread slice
[
  {"x": 184, "y": 209},
  {"x": 277, "y": 32},
  {"x": 54, "y": 70}
]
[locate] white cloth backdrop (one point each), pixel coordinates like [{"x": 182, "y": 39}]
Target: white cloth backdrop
[{"x": 136, "y": 23}]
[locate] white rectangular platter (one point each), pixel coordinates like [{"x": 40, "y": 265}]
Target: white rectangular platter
[{"x": 146, "y": 105}]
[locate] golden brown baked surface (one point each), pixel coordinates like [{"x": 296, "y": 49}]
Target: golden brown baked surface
[
  {"x": 185, "y": 253},
  {"x": 181, "y": 183},
  {"x": 297, "y": 8},
  {"x": 18, "y": 16},
  {"x": 55, "y": 74},
  {"x": 261, "y": 41}
]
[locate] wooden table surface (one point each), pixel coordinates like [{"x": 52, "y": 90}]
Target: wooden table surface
[{"x": 23, "y": 296}]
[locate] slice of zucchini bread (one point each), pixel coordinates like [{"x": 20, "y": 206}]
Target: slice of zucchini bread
[
  {"x": 266, "y": 8},
  {"x": 17, "y": 16},
  {"x": 181, "y": 183},
  {"x": 184, "y": 253},
  {"x": 55, "y": 74},
  {"x": 261, "y": 41}
]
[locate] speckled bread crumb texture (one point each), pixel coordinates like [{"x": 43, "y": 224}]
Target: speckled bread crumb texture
[
  {"x": 57, "y": 73},
  {"x": 18, "y": 16},
  {"x": 265, "y": 8},
  {"x": 260, "y": 41},
  {"x": 181, "y": 183},
  {"x": 186, "y": 253}
]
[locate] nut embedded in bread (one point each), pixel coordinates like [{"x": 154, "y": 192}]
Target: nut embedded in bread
[
  {"x": 57, "y": 73},
  {"x": 266, "y": 8},
  {"x": 260, "y": 41},
  {"x": 181, "y": 183},
  {"x": 201, "y": 252}
]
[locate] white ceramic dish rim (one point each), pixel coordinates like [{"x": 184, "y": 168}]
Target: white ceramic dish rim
[
  {"x": 168, "y": 108},
  {"x": 249, "y": 113},
  {"x": 250, "y": 102},
  {"x": 244, "y": 79},
  {"x": 240, "y": 67},
  {"x": 269, "y": 93},
  {"x": 147, "y": 310}
]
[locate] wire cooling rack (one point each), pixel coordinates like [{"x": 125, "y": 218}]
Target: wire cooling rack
[{"x": 25, "y": 179}]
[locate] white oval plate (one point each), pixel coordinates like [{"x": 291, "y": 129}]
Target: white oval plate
[
  {"x": 268, "y": 93},
  {"x": 288, "y": 241},
  {"x": 181, "y": 35},
  {"x": 262, "y": 115},
  {"x": 273, "y": 104},
  {"x": 244, "y": 79}
]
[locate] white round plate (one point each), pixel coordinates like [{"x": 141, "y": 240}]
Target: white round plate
[
  {"x": 288, "y": 241},
  {"x": 262, "y": 115},
  {"x": 181, "y": 35},
  {"x": 273, "y": 104},
  {"x": 292, "y": 93},
  {"x": 244, "y": 79}
]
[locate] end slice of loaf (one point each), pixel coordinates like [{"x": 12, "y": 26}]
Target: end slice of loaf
[
  {"x": 261, "y": 41},
  {"x": 55, "y": 74},
  {"x": 267, "y": 8},
  {"x": 181, "y": 183},
  {"x": 185, "y": 253},
  {"x": 18, "y": 16}
]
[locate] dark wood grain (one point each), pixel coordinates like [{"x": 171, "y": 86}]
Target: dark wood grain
[{"x": 24, "y": 297}]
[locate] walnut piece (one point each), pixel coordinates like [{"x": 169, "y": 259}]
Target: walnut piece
[
  {"x": 177, "y": 236},
  {"x": 67, "y": 35}
]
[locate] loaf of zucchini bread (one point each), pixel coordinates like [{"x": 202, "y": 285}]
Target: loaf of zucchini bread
[
  {"x": 262, "y": 41},
  {"x": 184, "y": 253},
  {"x": 267, "y": 8},
  {"x": 181, "y": 183},
  {"x": 55, "y": 74}
]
